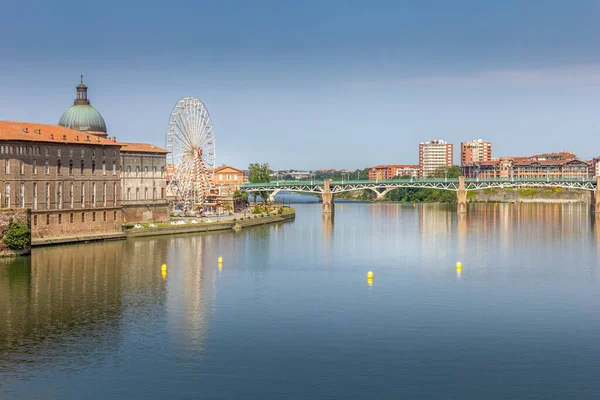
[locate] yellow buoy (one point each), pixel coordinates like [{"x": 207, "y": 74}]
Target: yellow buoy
[
  {"x": 163, "y": 267},
  {"x": 163, "y": 273},
  {"x": 220, "y": 259},
  {"x": 342, "y": 206},
  {"x": 370, "y": 275},
  {"x": 459, "y": 265},
  {"x": 370, "y": 282}
]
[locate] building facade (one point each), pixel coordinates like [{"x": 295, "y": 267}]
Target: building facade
[
  {"x": 383, "y": 172},
  {"x": 143, "y": 182},
  {"x": 475, "y": 151},
  {"x": 563, "y": 165},
  {"x": 433, "y": 155},
  {"x": 226, "y": 183},
  {"x": 69, "y": 179}
]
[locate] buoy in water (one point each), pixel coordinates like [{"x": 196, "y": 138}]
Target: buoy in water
[
  {"x": 459, "y": 265},
  {"x": 370, "y": 275},
  {"x": 220, "y": 260},
  {"x": 370, "y": 282},
  {"x": 163, "y": 267},
  {"x": 163, "y": 273}
]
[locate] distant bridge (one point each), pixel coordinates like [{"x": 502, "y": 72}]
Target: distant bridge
[{"x": 328, "y": 188}]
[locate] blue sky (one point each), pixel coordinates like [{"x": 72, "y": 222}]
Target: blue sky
[{"x": 316, "y": 84}]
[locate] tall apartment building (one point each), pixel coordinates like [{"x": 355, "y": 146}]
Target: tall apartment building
[
  {"x": 433, "y": 155},
  {"x": 474, "y": 152}
]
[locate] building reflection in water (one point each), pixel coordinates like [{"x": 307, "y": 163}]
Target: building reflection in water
[
  {"x": 327, "y": 222},
  {"x": 59, "y": 295},
  {"x": 490, "y": 233}
]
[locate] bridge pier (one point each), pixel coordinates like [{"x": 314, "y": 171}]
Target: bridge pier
[
  {"x": 273, "y": 194},
  {"x": 461, "y": 194},
  {"x": 327, "y": 197},
  {"x": 595, "y": 198}
]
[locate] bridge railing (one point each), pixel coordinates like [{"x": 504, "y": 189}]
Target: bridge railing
[{"x": 415, "y": 180}]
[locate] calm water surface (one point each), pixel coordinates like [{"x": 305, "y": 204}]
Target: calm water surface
[{"x": 291, "y": 315}]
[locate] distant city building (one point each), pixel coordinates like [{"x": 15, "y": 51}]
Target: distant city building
[
  {"x": 543, "y": 166},
  {"x": 595, "y": 166},
  {"x": 475, "y": 151},
  {"x": 433, "y": 155},
  {"x": 383, "y": 172}
]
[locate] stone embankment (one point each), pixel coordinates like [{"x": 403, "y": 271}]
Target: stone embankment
[{"x": 529, "y": 195}]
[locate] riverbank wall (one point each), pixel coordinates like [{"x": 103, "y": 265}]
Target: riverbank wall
[
  {"x": 170, "y": 230},
  {"x": 529, "y": 195}
]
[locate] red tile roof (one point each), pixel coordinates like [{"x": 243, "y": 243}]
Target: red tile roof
[
  {"x": 42, "y": 133},
  {"x": 141, "y": 148}
]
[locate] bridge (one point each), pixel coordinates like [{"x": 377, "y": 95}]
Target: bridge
[{"x": 328, "y": 188}]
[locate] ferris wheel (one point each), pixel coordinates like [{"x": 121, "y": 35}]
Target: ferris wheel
[{"x": 191, "y": 142}]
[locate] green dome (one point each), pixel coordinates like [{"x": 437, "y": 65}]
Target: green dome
[{"x": 83, "y": 117}]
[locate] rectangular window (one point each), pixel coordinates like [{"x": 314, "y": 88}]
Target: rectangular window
[
  {"x": 114, "y": 194},
  {"x": 235, "y": 177},
  {"x": 82, "y": 153},
  {"x": 104, "y": 153},
  {"x": 71, "y": 195},
  {"x": 153, "y": 193},
  {"x": 93, "y": 167},
  {"x": 154, "y": 172},
  {"x": 104, "y": 216},
  {"x": 228, "y": 177},
  {"x": 82, "y": 217},
  {"x": 104, "y": 194},
  {"x": 35, "y": 219},
  {"x": 145, "y": 193},
  {"x": 34, "y": 167},
  {"x": 47, "y": 196},
  {"x": 47, "y": 151},
  {"x": 94, "y": 216},
  {"x": 70, "y": 167},
  {"x": 93, "y": 152},
  {"x": 48, "y": 219},
  {"x": 137, "y": 172},
  {"x": 22, "y": 195},
  {"x": 7, "y": 166},
  {"x": 162, "y": 193},
  {"x": 114, "y": 170},
  {"x": 60, "y": 152},
  {"x": 35, "y": 207},
  {"x": 82, "y": 194},
  {"x": 162, "y": 172},
  {"x": 220, "y": 177},
  {"x": 103, "y": 167},
  {"x": 59, "y": 219},
  {"x": 71, "y": 218},
  {"x": 59, "y": 199},
  {"x": 128, "y": 193},
  {"x": 82, "y": 166},
  {"x": 94, "y": 194},
  {"x": 58, "y": 166},
  {"x": 129, "y": 172},
  {"x": 114, "y": 215},
  {"x": 21, "y": 167},
  {"x": 7, "y": 194},
  {"x": 146, "y": 172},
  {"x": 71, "y": 155}
]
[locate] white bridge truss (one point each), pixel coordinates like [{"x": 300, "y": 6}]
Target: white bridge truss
[{"x": 383, "y": 187}]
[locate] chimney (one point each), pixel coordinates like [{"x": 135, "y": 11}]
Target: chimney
[
  {"x": 39, "y": 132},
  {"x": 114, "y": 138},
  {"x": 25, "y": 130},
  {"x": 87, "y": 138}
]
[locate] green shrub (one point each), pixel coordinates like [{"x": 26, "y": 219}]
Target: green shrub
[
  {"x": 527, "y": 192},
  {"x": 18, "y": 236}
]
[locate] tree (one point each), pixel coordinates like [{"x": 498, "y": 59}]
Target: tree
[
  {"x": 445, "y": 172},
  {"x": 260, "y": 173}
]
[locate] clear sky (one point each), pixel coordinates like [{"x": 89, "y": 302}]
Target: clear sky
[{"x": 316, "y": 84}]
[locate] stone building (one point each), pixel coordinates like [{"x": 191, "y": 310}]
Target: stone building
[
  {"x": 142, "y": 171},
  {"x": 143, "y": 179},
  {"x": 69, "y": 179}
]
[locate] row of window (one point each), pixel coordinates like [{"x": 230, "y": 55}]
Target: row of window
[
  {"x": 228, "y": 176},
  {"x": 34, "y": 167},
  {"x": 72, "y": 218},
  {"x": 146, "y": 172},
  {"x": 36, "y": 151},
  {"x": 20, "y": 198}
]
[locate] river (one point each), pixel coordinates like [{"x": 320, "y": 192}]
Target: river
[{"x": 290, "y": 313}]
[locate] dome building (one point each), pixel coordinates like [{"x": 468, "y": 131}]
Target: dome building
[{"x": 81, "y": 116}]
